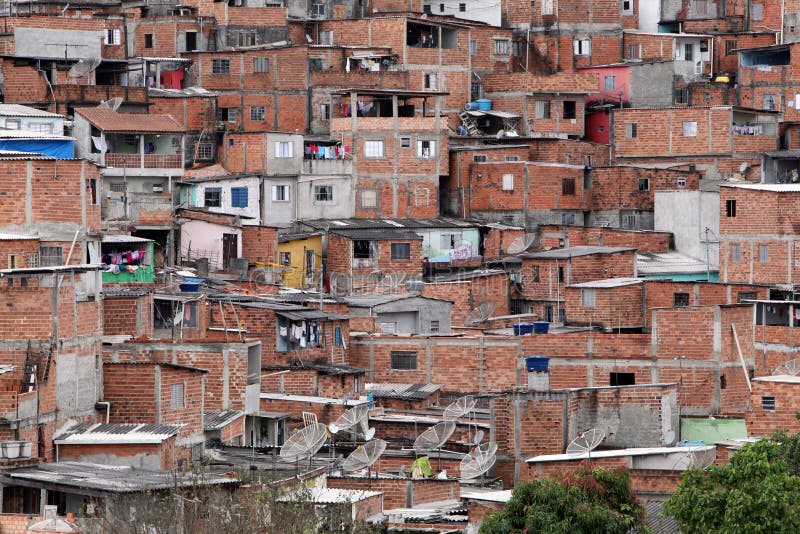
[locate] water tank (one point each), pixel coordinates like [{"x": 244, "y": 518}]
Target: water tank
[{"x": 484, "y": 104}]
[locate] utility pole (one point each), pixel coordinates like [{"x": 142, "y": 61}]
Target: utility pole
[{"x": 708, "y": 264}]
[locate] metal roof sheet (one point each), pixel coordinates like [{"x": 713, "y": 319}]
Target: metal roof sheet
[
  {"x": 609, "y": 283},
  {"x": 572, "y": 252},
  {"x": 387, "y": 390},
  {"x": 110, "y": 238},
  {"x": 220, "y": 418},
  {"x": 16, "y": 237},
  {"x": 18, "y": 110},
  {"x": 103, "y": 434},
  {"x": 669, "y": 263}
]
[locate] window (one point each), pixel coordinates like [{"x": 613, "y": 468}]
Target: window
[
  {"x": 535, "y": 273},
  {"x": 763, "y": 253},
  {"x": 283, "y": 149},
  {"x": 280, "y": 193},
  {"x": 93, "y": 185},
  {"x": 502, "y": 47},
  {"x": 285, "y": 258},
  {"x": 158, "y": 188},
  {"x": 426, "y": 149},
  {"x": 176, "y": 396},
  {"x": 148, "y": 40},
  {"x": 405, "y": 142},
  {"x": 337, "y": 336},
  {"x": 547, "y": 7},
  {"x": 213, "y": 197},
  {"x": 362, "y": 249},
  {"x": 690, "y": 129},
  {"x": 13, "y": 261},
  {"x": 569, "y": 109},
  {"x": 430, "y": 82},
  {"x": 568, "y": 186},
  {"x": 326, "y": 37},
  {"x": 205, "y": 151},
  {"x": 260, "y": 64},
  {"x": 318, "y": 9},
  {"x": 473, "y": 47},
  {"x": 404, "y": 359},
  {"x": 723, "y": 382},
  {"x": 730, "y": 208},
  {"x": 681, "y": 181},
  {"x": 426, "y": 8},
  {"x": 462, "y": 7},
  {"x": 582, "y": 47},
  {"x": 512, "y": 158},
  {"x": 324, "y": 111},
  {"x": 257, "y": 113},
  {"x": 688, "y": 51},
  {"x": 190, "y": 315},
  {"x": 508, "y": 182},
  {"x": 747, "y": 295},
  {"x": 479, "y": 158},
  {"x": 757, "y": 11},
  {"x": 680, "y": 300},
  {"x": 246, "y": 39},
  {"x": 681, "y": 96},
  {"x": 191, "y": 41},
  {"x": 239, "y": 197},
  {"x": 373, "y": 149},
  {"x": 730, "y": 46},
  {"x": 644, "y": 184},
  {"x": 610, "y": 83},
  {"x": 627, "y": 7},
  {"x": 323, "y": 193},
  {"x": 113, "y": 37},
  {"x": 387, "y": 327},
  {"x": 568, "y": 218},
  {"x": 769, "y": 101},
  {"x": 441, "y": 8},
  {"x": 634, "y": 51},
  {"x": 227, "y": 115},
  {"x": 622, "y": 379},
  {"x": 50, "y": 256},
  {"x": 561, "y": 274},
  {"x": 314, "y": 64},
  {"x": 450, "y": 241},
  {"x": 588, "y": 298},
  {"x": 542, "y": 109},
  {"x": 736, "y": 253},
  {"x": 220, "y": 66},
  {"x": 434, "y": 327},
  {"x": 630, "y": 130},
  {"x": 369, "y": 198},
  {"x": 768, "y": 403},
  {"x": 629, "y": 221},
  {"x": 401, "y": 251}
]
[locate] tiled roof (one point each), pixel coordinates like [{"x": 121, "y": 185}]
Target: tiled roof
[{"x": 108, "y": 120}]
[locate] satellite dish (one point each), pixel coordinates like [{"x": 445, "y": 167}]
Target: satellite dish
[
  {"x": 304, "y": 443},
  {"x": 481, "y": 314},
  {"x": 84, "y": 66},
  {"x": 355, "y": 417},
  {"x": 478, "y": 437},
  {"x": 478, "y": 461},
  {"x": 696, "y": 458},
  {"x": 364, "y": 456},
  {"x": 459, "y": 408},
  {"x": 743, "y": 166},
  {"x": 586, "y": 442},
  {"x": 434, "y": 437},
  {"x": 113, "y": 103},
  {"x": 791, "y": 368},
  {"x": 520, "y": 245}
]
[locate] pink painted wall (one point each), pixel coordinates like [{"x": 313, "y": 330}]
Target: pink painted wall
[
  {"x": 622, "y": 84},
  {"x": 207, "y": 236}
]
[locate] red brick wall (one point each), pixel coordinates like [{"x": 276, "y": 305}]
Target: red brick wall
[
  {"x": 120, "y": 316},
  {"x": 259, "y": 243},
  {"x": 467, "y": 295},
  {"x": 614, "y": 188},
  {"x": 402, "y": 492},
  {"x": 761, "y": 422},
  {"x": 576, "y": 271},
  {"x": 617, "y": 307},
  {"x": 554, "y": 236}
]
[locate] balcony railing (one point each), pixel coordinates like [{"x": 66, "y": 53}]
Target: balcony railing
[{"x": 144, "y": 161}]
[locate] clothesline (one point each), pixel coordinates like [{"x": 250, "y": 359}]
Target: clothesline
[{"x": 326, "y": 152}]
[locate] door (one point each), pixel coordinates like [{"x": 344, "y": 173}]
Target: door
[
  {"x": 191, "y": 41},
  {"x": 310, "y": 265},
  {"x": 230, "y": 246}
]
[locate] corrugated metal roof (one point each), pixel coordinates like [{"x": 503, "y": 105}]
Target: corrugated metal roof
[
  {"x": 27, "y": 134},
  {"x": 329, "y": 496},
  {"x": 572, "y": 252},
  {"x": 669, "y": 263},
  {"x": 382, "y": 234},
  {"x": 609, "y": 283},
  {"x": 388, "y": 390},
  {"x": 109, "y": 238},
  {"x": 101, "y": 434},
  {"x": 776, "y": 188},
  {"x": 362, "y": 224},
  {"x": 16, "y": 237},
  {"x": 109, "y": 120},
  {"x": 220, "y": 418},
  {"x": 17, "y": 110}
]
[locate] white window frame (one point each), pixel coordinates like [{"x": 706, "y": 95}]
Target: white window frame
[
  {"x": 630, "y": 130},
  {"x": 609, "y": 86},
  {"x": 502, "y": 47},
  {"x": 508, "y": 182},
  {"x": 284, "y": 149},
  {"x": 280, "y": 187},
  {"x": 368, "y": 198},
  {"x": 690, "y": 129},
  {"x": 582, "y": 47},
  {"x": 329, "y": 193},
  {"x": 589, "y": 297},
  {"x": 430, "y": 82},
  {"x": 374, "y": 148},
  {"x": 426, "y": 152},
  {"x": 547, "y": 7},
  {"x": 113, "y": 37},
  {"x": 258, "y": 113},
  {"x": 261, "y": 64}
]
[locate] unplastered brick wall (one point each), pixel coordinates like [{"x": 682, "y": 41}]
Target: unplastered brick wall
[
  {"x": 468, "y": 294},
  {"x": 128, "y": 316},
  {"x": 259, "y": 243},
  {"x": 557, "y": 236},
  {"x": 570, "y": 152},
  {"x": 626, "y": 187},
  {"x": 546, "y": 278},
  {"x": 774, "y": 404},
  {"x": 608, "y": 308},
  {"x": 193, "y": 113}
]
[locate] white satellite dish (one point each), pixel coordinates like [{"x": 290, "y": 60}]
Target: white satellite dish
[
  {"x": 586, "y": 442},
  {"x": 355, "y": 417},
  {"x": 743, "y": 166},
  {"x": 478, "y": 461},
  {"x": 478, "y": 437},
  {"x": 459, "y": 408},
  {"x": 434, "y": 437},
  {"x": 695, "y": 457},
  {"x": 83, "y": 67},
  {"x": 520, "y": 245},
  {"x": 481, "y": 314},
  {"x": 364, "y": 456},
  {"x": 113, "y": 103},
  {"x": 792, "y": 368},
  {"x": 304, "y": 443}
]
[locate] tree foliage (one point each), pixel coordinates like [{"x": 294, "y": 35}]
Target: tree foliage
[
  {"x": 757, "y": 491},
  {"x": 596, "y": 501}
]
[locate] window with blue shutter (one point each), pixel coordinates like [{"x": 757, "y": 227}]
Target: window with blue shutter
[{"x": 239, "y": 197}]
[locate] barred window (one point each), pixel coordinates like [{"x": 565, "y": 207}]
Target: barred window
[
  {"x": 221, "y": 66},
  {"x": 404, "y": 359},
  {"x": 50, "y": 256},
  {"x": 176, "y": 396}
]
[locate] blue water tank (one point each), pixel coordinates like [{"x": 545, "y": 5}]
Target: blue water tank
[
  {"x": 522, "y": 329},
  {"x": 541, "y": 327},
  {"x": 537, "y": 363},
  {"x": 484, "y": 104},
  {"x": 471, "y": 106}
]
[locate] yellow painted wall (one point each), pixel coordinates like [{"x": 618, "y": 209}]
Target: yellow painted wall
[{"x": 295, "y": 276}]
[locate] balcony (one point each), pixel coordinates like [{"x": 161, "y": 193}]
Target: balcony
[
  {"x": 144, "y": 161},
  {"x": 328, "y": 166}
]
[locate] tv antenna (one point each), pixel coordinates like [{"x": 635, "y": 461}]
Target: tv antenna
[
  {"x": 481, "y": 314},
  {"x": 459, "y": 408},
  {"x": 355, "y": 417},
  {"x": 520, "y": 245},
  {"x": 791, "y": 368},
  {"x": 364, "y": 456},
  {"x": 585, "y": 442},
  {"x": 478, "y": 461},
  {"x": 434, "y": 437}
]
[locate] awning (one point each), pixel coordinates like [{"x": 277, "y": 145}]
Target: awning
[
  {"x": 498, "y": 114},
  {"x": 307, "y": 315}
]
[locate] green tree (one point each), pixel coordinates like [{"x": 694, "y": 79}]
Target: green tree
[
  {"x": 758, "y": 491},
  {"x": 596, "y": 501}
]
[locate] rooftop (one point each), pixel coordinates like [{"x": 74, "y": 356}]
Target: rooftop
[
  {"x": 609, "y": 283},
  {"x": 669, "y": 263},
  {"x": 618, "y": 453},
  {"x": 401, "y": 391},
  {"x": 17, "y": 110},
  {"x": 377, "y": 299},
  {"x": 775, "y": 188},
  {"x": 440, "y": 222},
  {"x": 572, "y": 252},
  {"x": 311, "y": 399},
  {"x": 105, "y": 434},
  {"x": 220, "y": 418},
  {"x": 784, "y": 379},
  {"x": 109, "y": 120}
]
